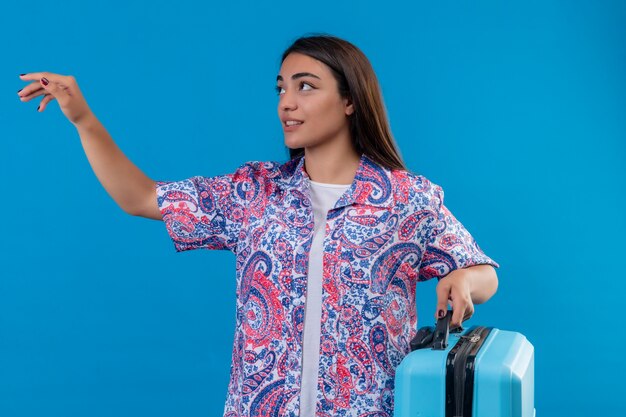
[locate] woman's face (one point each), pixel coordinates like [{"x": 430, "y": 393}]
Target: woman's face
[{"x": 307, "y": 92}]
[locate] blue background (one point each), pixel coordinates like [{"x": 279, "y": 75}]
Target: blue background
[{"x": 517, "y": 109}]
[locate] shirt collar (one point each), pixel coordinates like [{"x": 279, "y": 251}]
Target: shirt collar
[{"x": 371, "y": 185}]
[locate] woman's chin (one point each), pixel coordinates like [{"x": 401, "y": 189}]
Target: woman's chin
[{"x": 292, "y": 144}]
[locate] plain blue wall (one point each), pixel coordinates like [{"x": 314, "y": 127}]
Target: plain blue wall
[{"x": 517, "y": 109}]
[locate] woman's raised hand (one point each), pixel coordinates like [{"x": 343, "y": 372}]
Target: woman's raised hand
[
  {"x": 63, "y": 88},
  {"x": 131, "y": 189}
]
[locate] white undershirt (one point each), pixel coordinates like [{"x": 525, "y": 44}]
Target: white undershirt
[{"x": 323, "y": 198}]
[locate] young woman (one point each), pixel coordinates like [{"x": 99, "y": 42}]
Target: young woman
[{"x": 329, "y": 245}]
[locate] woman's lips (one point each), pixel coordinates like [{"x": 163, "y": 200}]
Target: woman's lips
[{"x": 291, "y": 128}]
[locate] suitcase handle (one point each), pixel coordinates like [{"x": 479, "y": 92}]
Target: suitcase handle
[
  {"x": 435, "y": 338},
  {"x": 442, "y": 331}
]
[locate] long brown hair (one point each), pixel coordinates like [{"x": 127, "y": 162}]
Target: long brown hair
[{"x": 369, "y": 127}]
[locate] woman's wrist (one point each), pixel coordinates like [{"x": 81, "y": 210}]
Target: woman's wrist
[
  {"x": 87, "y": 122},
  {"x": 482, "y": 282}
]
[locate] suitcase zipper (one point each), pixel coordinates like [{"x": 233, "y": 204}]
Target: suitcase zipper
[{"x": 460, "y": 372}]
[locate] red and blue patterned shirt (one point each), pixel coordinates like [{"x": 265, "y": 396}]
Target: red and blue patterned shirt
[{"x": 388, "y": 231}]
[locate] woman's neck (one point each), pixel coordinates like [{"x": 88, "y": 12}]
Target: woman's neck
[{"x": 331, "y": 164}]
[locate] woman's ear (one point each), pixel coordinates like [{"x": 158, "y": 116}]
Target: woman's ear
[{"x": 349, "y": 106}]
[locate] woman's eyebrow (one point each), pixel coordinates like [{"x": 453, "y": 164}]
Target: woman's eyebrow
[{"x": 299, "y": 75}]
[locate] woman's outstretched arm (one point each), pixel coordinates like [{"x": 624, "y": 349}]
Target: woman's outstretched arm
[{"x": 131, "y": 189}]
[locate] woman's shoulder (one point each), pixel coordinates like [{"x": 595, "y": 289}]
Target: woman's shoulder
[
  {"x": 412, "y": 179},
  {"x": 415, "y": 188},
  {"x": 259, "y": 169}
]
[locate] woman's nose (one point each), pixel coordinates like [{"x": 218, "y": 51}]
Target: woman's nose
[{"x": 287, "y": 101}]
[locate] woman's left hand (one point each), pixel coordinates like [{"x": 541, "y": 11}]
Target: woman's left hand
[{"x": 455, "y": 287}]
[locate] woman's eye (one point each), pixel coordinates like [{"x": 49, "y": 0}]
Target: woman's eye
[{"x": 279, "y": 89}]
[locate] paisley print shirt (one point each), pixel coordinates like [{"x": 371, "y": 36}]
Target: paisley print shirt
[{"x": 388, "y": 231}]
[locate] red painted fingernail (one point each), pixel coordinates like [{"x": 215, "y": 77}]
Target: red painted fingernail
[
  {"x": 442, "y": 314},
  {"x": 44, "y": 80}
]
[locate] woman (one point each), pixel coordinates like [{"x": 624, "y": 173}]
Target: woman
[{"x": 329, "y": 245}]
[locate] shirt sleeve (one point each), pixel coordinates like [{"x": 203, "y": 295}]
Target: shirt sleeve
[
  {"x": 205, "y": 212},
  {"x": 450, "y": 245}
]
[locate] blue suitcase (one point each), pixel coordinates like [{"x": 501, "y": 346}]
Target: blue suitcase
[{"x": 477, "y": 372}]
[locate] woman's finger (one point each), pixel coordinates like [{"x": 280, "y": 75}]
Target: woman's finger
[
  {"x": 468, "y": 313},
  {"x": 30, "y": 88},
  {"x": 457, "y": 315},
  {"x": 47, "y": 99},
  {"x": 462, "y": 307},
  {"x": 463, "y": 311},
  {"x": 34, "y": 94},
  {"x": 36, "y": 76},
  {"x": 32, "y": 76},
  {"x": 443, "y": 295}
]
